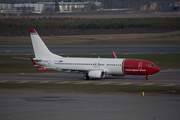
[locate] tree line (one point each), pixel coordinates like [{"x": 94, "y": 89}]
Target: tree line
[{"x": 149, "y": 23}]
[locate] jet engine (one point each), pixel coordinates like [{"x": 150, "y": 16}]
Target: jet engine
[{"x": 96, "y": 74}]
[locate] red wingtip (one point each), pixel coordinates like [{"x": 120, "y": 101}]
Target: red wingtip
[{"x": 32, "y": 31}]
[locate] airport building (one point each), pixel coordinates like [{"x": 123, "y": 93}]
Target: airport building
[{"x": 41, "y": 7}]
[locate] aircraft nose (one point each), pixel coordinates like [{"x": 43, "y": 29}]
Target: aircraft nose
[{"x": 156, "y": 69}]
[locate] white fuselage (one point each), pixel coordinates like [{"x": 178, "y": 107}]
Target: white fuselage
[{"x": 108, "y": 65}]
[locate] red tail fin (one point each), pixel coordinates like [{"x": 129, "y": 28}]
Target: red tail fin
[{"x": 32, "y": 31}]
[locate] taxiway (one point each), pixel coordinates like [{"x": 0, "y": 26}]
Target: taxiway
[
  {"x": 163, "y": 78},
  {"x": 22, "y": 50}
]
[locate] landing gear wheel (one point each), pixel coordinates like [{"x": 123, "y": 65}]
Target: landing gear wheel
[
  {"x": 145, "y": 78},
  {"x": 86, "y": 77}
]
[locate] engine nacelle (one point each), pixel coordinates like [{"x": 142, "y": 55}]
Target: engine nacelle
[{"x": 96, "y": 74}]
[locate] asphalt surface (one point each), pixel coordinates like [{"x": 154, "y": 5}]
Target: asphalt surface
[
  {"x": 163, "y": 78},
  {"x": 13, "y": 50},
  {"x": 44, "y": 105}
]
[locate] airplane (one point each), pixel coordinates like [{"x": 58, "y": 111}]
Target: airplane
[{"x": 92, "y": 68}]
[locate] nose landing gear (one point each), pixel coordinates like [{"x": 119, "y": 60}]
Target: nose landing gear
[{"x": 146, "y": 77}]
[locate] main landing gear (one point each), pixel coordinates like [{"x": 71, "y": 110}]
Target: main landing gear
[{"x": 86, "y": 77}]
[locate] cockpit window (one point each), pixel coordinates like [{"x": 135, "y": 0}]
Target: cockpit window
[{"x": 150, "y": 65}]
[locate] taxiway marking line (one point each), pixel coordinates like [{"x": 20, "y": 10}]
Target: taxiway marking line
[
  {"x": 146, "y": 84},
  {"x": 104, "y": 83},
  {"x": 63, "y": 97},
  {"x": 43, "y": 82},
  {"x": 3, "y": 81},
  {"x": 62, "y": 82},
  {"x": 22, "y": 81},
  {"x": 168, "y": 85},
  {"x": 82, "y": 83},
  {"x": 46, "y": 73},
  {"x": 124, "y": 84}
]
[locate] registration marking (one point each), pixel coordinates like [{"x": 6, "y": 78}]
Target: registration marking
[
  {"x": 104, "y": 83},
  {"x": 62, "y": 82},
  {"x": 82, "y": 83},
  {"x": 124, "y": 84}
]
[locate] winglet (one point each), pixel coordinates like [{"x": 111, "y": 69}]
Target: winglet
[
  {"x": 114, "y": 55},
  {"x": 34, "y": 63}
]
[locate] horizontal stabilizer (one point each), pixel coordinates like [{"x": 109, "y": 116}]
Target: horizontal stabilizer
[
  {"x": 21, "y": 58},
  {"x": 34, "y": 63}
]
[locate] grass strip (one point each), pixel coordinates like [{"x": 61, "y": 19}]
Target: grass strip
[
  {"x": 149, "y": 39},
  {"x": 92, "y": 88}
]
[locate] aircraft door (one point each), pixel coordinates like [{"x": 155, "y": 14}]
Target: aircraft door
[
  {"x": 140, "y": 68},
  {"x": 140, "y": 65},
  {"x": 49, "y": 63},
  {"x": 46, "y": 63}
]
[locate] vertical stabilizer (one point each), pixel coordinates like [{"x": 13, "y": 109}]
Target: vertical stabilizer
[{"x": 40, "y": 49}]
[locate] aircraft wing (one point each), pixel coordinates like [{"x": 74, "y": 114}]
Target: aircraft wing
[{"x": 75, "y": 70}]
